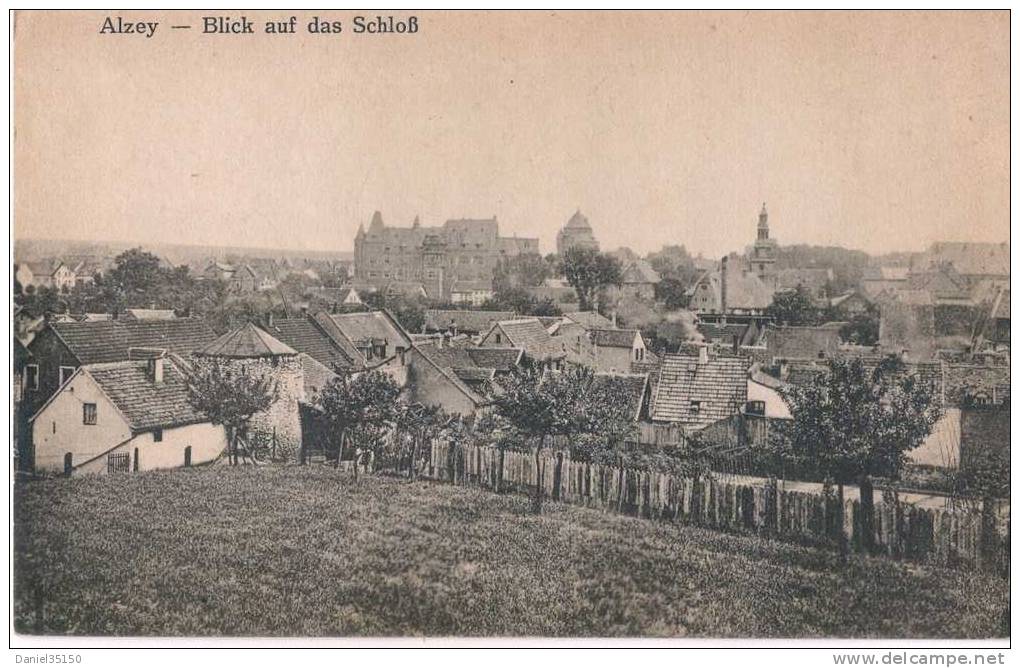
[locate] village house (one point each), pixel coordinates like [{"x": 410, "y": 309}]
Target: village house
[
  {"x": 730, "y": 334},
  {"x": 732, "y": 290},
  {"x": 474, "y": 293},
  {"x": 813, "y": 280},
  {"x": 376, "y": 335},
  {"x": 850, "y": 305},
  {"x": 696, "y": 391},
  {"x": 240, "y": 280},
  {"x": 450, "y": 322},
  {"x": 787, "y": 342},
  {"x": 879, "y": 280},
  {"x": 639, "y": 281},
  {"x": 333, "y": 298},
  {"x": 55, "y": 275},
  {"x": 614, "y": 350},
  {"x": 61, "y": 347},
  {"x": 129, "y": 415},
  {"x": 459, "y": 378},
  {"x": 323, "y": 342},
  {"x": 529, "y": 335}
]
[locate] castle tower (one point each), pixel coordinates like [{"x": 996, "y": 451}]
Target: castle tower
[
  {"x": 577, "y": 233},
  {"x": 251, "y": 350}
]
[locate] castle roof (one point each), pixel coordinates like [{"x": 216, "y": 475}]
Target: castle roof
[{"x": 246, "y": 342}]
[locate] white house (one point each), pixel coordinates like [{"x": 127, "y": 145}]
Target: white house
[{"x": 131, "y": 415}]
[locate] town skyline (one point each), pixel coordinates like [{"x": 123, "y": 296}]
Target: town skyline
[{"x": 874, "y": 131}]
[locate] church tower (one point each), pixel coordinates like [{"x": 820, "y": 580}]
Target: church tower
[{"x": 762, "y": 255}]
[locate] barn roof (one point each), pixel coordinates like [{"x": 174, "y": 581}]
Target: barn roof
[
  {"x": 110, "y": 340},
  {"x": 368, "y": 326},
  {"x": 634, "y": 388},
  {"x": 590, "y": 319}
]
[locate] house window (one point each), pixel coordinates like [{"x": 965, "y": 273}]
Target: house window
[
  {"x": 65, "y": 373},
  {"x": 695, "y": 407},
  {"x": 88, "y": 413},
  {"x": 157, "y": 435},
  {"x": 639, "y": 354},
  {"x": 755, "y": 408},
  {"x": 31, "y": 376},
  {"x": 499, "y": 338}
]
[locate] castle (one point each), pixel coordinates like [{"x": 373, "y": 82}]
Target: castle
[{"x": 449, "y": 262}]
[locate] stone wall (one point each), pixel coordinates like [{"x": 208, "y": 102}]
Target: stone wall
[{"x": 282, "y": 417}]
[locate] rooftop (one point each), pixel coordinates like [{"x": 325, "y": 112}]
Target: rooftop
[
  {"x": 699, "y": 393},
  {"x": 245, "y": 342},
  {"x": 110, "y": 340},
  {"x": 146, "y": 404}
]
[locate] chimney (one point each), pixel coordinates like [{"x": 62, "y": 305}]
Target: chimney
[
  {"x": 736, "y": 344},
  {"x": 702, "y": 353},
  {"x": 156, "y": 370},
  {"x": 722, "y": 288},
  {"x": 269, "y": 320},
  {"x": 614, "y": 319}
]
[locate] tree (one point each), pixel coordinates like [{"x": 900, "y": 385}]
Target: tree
[
  {"x": 358, "y": 410},
  {"x": 419, "y": 423},
  {"x": 135, "y": 272},
  {"x": 521, "y": 271},
  {"x": 229, "y": 397},
  {"x": 539, "y": 405},
  {"x": 589, "y": 272},
  {"x": 853, "y": 423},
  {"x": 671, "y": 292},
  {"x": 862, "y": 329},
  {"x": 794, "y": 307}
]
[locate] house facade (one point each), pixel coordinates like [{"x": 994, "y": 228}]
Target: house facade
[{"x": 122, "y": 416}]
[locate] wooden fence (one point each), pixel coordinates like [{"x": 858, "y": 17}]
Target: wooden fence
[{"x": 901, "y": 530}]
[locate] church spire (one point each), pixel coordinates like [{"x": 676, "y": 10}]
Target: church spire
[{"x": 763, "y": 223}]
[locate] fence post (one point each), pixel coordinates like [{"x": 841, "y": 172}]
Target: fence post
[{"x": 989, "y": 536}]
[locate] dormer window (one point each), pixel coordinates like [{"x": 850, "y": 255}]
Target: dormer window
[{"x": 695, "y": 408}]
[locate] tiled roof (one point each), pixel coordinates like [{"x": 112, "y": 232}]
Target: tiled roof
[
  {"x": 247, "y": 341},
  {"x": 369, "y": 325},
  {"x": 109, "y": 341},
  {"x": 613, "y": 338},
  {"x": 500, "y": 359},
  {"x": 714, "y": 331},
  {"x": 466, "y": 321},
  {"x": 639, "y": 271},
  {"x": 530, "y": 335},
  {"x": 151, "y": 313},
  {"x": 633, "y": 386},
  {"x": 306, "y": 336},
  {"x": 590, "y": 319},
  {"x": 474, "y": 374},
  {"x": 802, "y": 342},
  {"x": 316, "y": 376},
  {"x": 970, "y": 258},
  {"x": 719, "y": 386},
  {"x": 146, "y": 404}
]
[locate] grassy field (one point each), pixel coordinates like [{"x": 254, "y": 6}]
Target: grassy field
[{"x": 303, "y": 551}]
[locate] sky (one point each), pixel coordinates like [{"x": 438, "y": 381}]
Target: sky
[{"x": 882, "y": 131}]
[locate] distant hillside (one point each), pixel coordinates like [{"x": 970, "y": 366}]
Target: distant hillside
[{"x": 27, "y": 250}]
